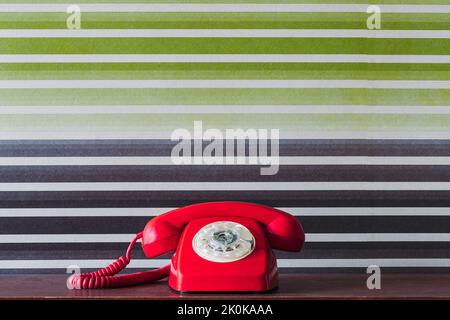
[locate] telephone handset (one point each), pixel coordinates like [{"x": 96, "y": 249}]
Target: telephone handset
[{"x": 219, "y": 246}]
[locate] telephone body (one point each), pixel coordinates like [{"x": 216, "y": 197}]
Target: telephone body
[{"x": 219, "y": 247}]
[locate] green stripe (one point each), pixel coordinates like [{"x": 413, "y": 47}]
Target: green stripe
[
  {"x": 128, "y": 71},
  {"x": 110, "y": 20},
  {"x": 52, "y": 97},
  {"x": 222, "y": 45},
  {"x": 286, "y": 122}
]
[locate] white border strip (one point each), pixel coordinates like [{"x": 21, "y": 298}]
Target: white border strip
[
  {"x": 197, "y": 84},
  {"x": 377, "y": 237},
  {"x": 310, "y": 237},
  {"x": 284, "y": 134},
  {"x": 65, "y": 238},
  {"x": 160, "y": 161},
  {"x": 362, "y": 263},
  {"x": 221, "y": 58},
  {"x": 85, "y": 263},
  {"x": 283, "y": 263},
  {"x": 181, "y": 7},
  {"x": 226, "y": 109},
  {"x": 84, "y": 212},
  {"x": 224, "y": 33},
  {"x": 225, "y": 186},
  {"x": 295, "y": 211}
]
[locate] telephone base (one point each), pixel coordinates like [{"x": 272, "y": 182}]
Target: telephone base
[{"x": 191, "y": 273}]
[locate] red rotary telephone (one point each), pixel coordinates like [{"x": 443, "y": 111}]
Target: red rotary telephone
[{"x": 220, "y": 246}]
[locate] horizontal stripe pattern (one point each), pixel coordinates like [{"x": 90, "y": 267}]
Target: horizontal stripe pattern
[{"x": 86, "y": 118}]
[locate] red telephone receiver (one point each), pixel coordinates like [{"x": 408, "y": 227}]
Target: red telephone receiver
[{"x": 220, "y": 246}]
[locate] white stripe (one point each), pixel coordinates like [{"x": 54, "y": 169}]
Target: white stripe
[
  {"x": 284, "y": 134},
  {"x": 310, "y": 237},
  {"x": 377, "y": 237},
  {"x": 65, "y": 238},
  {"x": 226, "y": 186},
  {"x": 354, "y": 211},
  {"x": 83, "y": 212},
  {"x": 198, "y": 161},
  {"x": 194, "y": 84},
  {"x": 283, "y": 263},
  {"x": 85, "y": 263},
  {"x": 151, "y": 212},
  {"x": 224, "y": 33},
  {"x": 224, "y": 109},
  {"x": 352, "y": 160},
  {"x": 179, "y": 7},
  {"x": 221, "y": 58},
  {"x": 362, "y": 263}
]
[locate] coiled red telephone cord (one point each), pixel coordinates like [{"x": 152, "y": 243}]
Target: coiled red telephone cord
[{"x": 107, "y": 278}]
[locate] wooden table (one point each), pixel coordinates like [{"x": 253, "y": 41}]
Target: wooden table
[{"x": 292, "y": 286}]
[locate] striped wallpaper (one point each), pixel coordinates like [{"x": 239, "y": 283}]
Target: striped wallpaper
[{"x": 86, "y": 118}]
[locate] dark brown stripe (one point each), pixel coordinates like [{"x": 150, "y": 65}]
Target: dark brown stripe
[
  {"x": 163, "y": 148},
  {"x": 318, "y": 224},
  {"x": 402, "y": 250},
  {"x": 155, "y": 199},
  {"x": 314, "y": 173}
]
